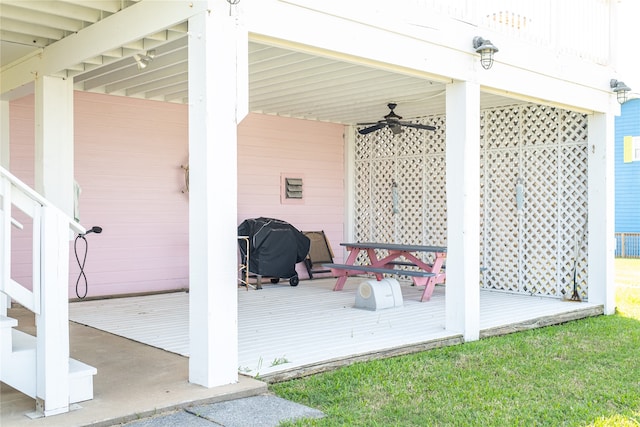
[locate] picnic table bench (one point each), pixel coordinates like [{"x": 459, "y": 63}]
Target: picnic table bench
[{"x": 425, "y": 274}]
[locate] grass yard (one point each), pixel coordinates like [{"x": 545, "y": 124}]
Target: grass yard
[
  {"x": 628, "y": 293},
  {"x": 627, "y": 271},
  {"x": 582, "y": 373}
]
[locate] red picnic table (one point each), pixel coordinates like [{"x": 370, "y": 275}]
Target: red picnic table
[{"x": 395, "y": 255}]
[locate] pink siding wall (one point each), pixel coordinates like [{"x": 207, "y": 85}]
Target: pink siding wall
[
  {"x": 270, "y": 146},
  {"x": 22, "y": 129},
  {"x": 128, "y": 157},
  {"x": 128, "y": 154},
  {"x": 127, "y": 161}
]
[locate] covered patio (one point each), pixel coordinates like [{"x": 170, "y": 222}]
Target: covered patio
[
  {"x": 272, "y": 337},
  {"x": 285, "y": 332}
]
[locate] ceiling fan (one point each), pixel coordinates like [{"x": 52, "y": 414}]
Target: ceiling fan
[{"x": 392, "y": 120}]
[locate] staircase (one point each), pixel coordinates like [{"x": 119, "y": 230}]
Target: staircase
[
  {"x": 18, "y": 364},
  {"x": 39, "y": 366}
]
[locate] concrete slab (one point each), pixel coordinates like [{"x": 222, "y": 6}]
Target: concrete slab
[
  {"x": 178, "y": 418},
  {"x": 134, "y": 381},
  {"x": 257, "y": 411}
]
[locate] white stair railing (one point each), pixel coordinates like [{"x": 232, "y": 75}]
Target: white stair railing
[{"x": 48, "y": 296}]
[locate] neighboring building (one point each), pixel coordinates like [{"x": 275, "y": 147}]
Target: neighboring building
[{"x": 627, "y": 193}]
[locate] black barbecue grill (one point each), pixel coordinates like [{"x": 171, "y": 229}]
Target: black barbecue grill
[{"x": 274, "y": 248}]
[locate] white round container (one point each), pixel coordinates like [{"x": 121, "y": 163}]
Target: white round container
[{"x": 377, "y": 295}]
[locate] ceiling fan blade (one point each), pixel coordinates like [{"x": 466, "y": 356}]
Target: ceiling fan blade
[
  {"x": 417, "y": 126},
  {"x": 372, "y": 128}
]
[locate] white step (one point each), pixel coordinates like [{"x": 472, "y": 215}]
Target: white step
[
  {"x": 18, "y": 365},
  {"x": 6, "y": 325},
  {"x": 7, "y": 322},
  {"x": 80, "y": 381}
]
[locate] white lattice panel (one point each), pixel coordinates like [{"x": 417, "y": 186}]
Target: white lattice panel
[
  {"x": 434, "y": 141},
  {"x": 409, "y": 216},
  {"x": 573, "y": 219},
  {"x": 410, "y": 143},
  {"x": 551, "y": 146},
  {"x": 500, "y": 127},
  {"x": 573, "y": 127},
  {"x": 539, "y": 238},
  {"x": 435, "y": 187},
  {"x": 381, "y": 195},
  {"x": 362, "y": 202},
  {"x": 528, "y": 251},
  {"x": 501, "y": 222},
  {"x": 539, "y": 125}
]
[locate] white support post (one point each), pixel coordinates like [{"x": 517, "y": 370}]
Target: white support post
[
  {"x": 53, "y": 180},
  {"x": 463, "y": 209},
  {"x": 601, "y": 210},
  {"x": 54, "y": 141},
  {"x": 215, "y": 107},
  {"x": 52, "y": 352},
  {"x": 349, "y": 190},
  {"x": 5, "y": 301}
]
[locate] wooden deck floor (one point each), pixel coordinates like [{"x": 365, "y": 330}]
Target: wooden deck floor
[{"x": 286, "y": 331}]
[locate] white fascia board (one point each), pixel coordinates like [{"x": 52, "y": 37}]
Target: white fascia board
[
  {"x": 347, "y": 39},
  {"x": 133, "y": 23},
  {"x": 531, "y": 86},
  {"x": 537, "y": 73},
  {"x": 440, "y": 49}
]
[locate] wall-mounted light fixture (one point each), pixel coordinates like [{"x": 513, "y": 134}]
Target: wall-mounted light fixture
[
  {"x": 621, "y": 90},
  {"x": 486, "y": 49},
  {"x": 144, "y": 60}
]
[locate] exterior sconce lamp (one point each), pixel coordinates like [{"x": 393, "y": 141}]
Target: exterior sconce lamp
[
  {"x": 621, "y": 90},
  {"x": 486, "y": 49}
]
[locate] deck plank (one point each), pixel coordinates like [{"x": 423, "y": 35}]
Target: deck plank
[{"x": 283, "y": 328}]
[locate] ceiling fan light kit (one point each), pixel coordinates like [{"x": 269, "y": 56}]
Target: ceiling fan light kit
[{"x": 393, "y": 122}]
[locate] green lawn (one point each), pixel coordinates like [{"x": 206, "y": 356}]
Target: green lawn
[
  {"x": 582, "y": 373},
  {"x": 627, "y": 276}
]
